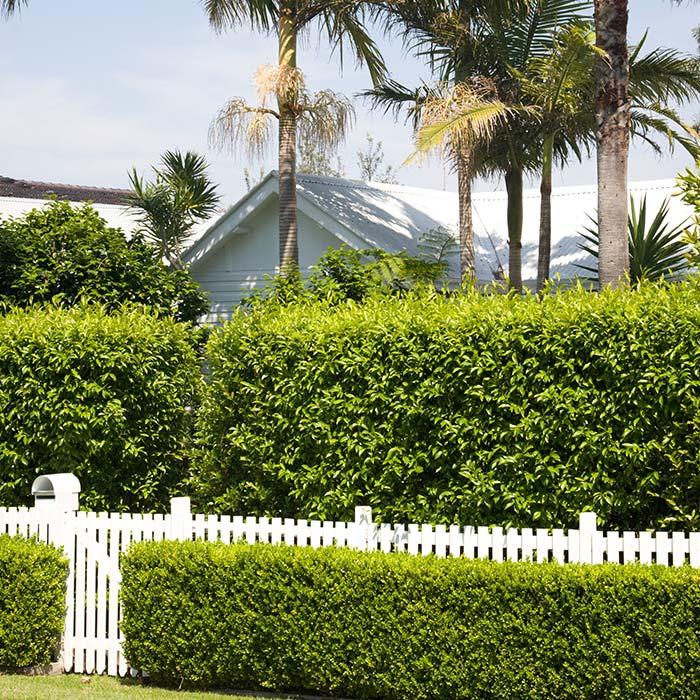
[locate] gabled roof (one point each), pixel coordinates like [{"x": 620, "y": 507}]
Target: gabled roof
[
  {"x": 28, "y": 189},
  {"x": 394, "y": 218},
  {"x": 359, "y": 214}
]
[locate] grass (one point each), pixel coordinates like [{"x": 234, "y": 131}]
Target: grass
[{"x": 67, "y": 687}]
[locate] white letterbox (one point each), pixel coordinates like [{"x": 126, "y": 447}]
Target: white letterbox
[{"x": 58, "y": 492}]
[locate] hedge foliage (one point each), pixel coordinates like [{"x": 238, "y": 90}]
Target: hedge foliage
[
  {"x": 69, "y": 253},
  {"x": 471, "y": 409},
  {"x": 105, "y": 396},
  {"x": 397, "y": 627},
  {"x": 32, "y": 601}
]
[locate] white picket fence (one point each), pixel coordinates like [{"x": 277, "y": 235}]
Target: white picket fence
[{"x": 94, "y": 541}]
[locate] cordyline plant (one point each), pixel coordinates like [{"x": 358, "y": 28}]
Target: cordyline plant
[
  {"x": 323, "y": 117},
  {"x": 656, "y": 249}
]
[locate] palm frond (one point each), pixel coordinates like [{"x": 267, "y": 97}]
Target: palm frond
[
  {"x": 391, "y": 97},
  {"x": 666, "y": 122},
  {"x": 324, "y": 119},
  {"x": 240, "y": 127},
  {"x": 344, "y": 24},
  {"x": 9, "y": 7},
  {"x": 227, "y": 14},
  {"x": 663, "y": 76},
  {"x": 533, "y": 35},
  {"x": 472, "y": 123}
]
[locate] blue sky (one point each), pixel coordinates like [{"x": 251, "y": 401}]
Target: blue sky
[{"x": 89, "y": 89}]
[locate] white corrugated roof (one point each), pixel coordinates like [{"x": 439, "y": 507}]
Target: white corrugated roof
[
  {"x": 115, "y": 215},
  {"x": 394, "y": 217}
]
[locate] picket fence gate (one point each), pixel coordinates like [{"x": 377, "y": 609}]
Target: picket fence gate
[{"x": 93, "y": 542}]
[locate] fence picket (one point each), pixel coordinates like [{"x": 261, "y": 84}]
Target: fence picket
[
  {"x": 543, "y": 542},
  {"x": 115, "y": 532},
  {"x": 559, "y": 541},
  {"x": 630, "y": 547},
  {"x": 663, "y": 547},
  {"x": 528, "y": 543},
  {"x": 613, "y": 547},
  {"x": 679, "y": 547},
  {"x": 441, "y": 541}
]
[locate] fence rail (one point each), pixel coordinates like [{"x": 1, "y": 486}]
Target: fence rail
[{"x": 92, "y": 640}]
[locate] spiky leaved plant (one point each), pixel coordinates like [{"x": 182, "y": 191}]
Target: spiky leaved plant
[{"x": 655, "y": 251}]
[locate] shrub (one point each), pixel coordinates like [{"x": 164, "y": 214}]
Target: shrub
[
  {"x": 32, "y": 601},
  {"x": 689, "y": 185},
  {"x": 107, "y": 397},
  {"x": 471, "y": 409},
  {"x": 67, "y": 253},
  {"x": 360, "y": 625}
]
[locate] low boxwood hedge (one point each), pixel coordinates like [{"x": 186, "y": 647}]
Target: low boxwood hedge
[
  {"x": 394, "y": 626},
  {"x": 32, "y": 601}
]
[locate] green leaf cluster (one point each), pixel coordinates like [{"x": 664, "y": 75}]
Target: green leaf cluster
[
  {"x": 689, "y": 184},
  {"x": 464, "y": 409},
  {"x": 347, "y": 274},
  {"x": 32, "y": 602},
  {"x": 66, "y": 253},
  {"x": 107, "y": 396},
  {"x": 340, "y": 623}
]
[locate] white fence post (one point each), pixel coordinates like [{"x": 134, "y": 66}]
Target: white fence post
[
  {"x": 587, "y": 526},
  {"x": 364, "y": 529},
  {"x": 180, "y": 518}
]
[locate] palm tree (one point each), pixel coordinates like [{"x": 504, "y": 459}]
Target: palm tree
[
  {"x": 167, "y": 208},
  {"x": 468, "y": 41},
  {"x": 612, "y": 105},
  {"x": 506, "y": 43},
  {"x": 432, "y": 110},
  {"x": 562, "y": 85},
  {"x": 342, "y": 22}
]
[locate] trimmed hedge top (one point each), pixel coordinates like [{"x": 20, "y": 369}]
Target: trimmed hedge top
[
  {"x": 472, "y": 409},
  {"x": 398, "y": 627},
  {"x": 32, "y": 601}
]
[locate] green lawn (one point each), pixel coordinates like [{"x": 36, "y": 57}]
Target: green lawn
[{"x": 95, "y": 688}]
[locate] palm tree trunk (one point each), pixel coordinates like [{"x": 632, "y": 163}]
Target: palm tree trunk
[
  {"x": 612, "y": 137},
  {"x": 463, "y": 59},
  {"x": 466, "y": 222},
  {"x": 288, "y": 241},
  {"x": 545, "y": 242},
  {"x": 514, "y": 188}
]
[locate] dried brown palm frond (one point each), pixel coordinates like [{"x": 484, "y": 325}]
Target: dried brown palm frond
[
  {"x": 324, "y": 118},
  {"x": 461, "y": 115},
  {"x": 240, "y": 127},
  {"x": 279, "y": 81}
]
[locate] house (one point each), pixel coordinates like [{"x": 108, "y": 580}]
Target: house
[
  {"x": 17, "y": 197},
  {"x": 239, "y": 250}
]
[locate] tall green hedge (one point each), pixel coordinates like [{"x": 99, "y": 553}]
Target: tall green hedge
[
  {"x": 32, "y": 602},
  {"x": 470, "y": 409},
  {"x": 105, "y": 396},
  {"x": 397, "y": 627}
]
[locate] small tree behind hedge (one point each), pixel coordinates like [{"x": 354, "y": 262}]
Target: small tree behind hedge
[
  {"x": 472, "y": 409},
  {"x": 67, "y": 253},
  {"x": 105, "y": 396}
]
